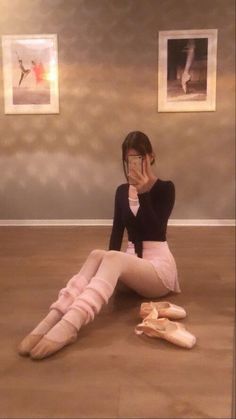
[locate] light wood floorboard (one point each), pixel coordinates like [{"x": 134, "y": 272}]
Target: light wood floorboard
[{"x": 110, "y": 372}]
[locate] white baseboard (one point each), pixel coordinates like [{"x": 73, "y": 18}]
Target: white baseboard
[
  {"x": 203, "y": 223},
  {"x": 108, "y": 222}
]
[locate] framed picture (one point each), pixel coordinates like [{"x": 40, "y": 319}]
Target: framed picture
[
  {"x": 187, "y": 70},
  {"x": 30, "y": 74}
]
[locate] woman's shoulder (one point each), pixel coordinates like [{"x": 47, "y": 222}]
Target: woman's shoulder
[
  {"x": 121, "y": 188},
  {"x": 165, "y": 191},
  {"x": 163, "y": 188},
  {"x": 164, "y": 184}
]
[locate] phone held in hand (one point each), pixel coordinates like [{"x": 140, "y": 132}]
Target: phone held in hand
[{"x": 134, "y": 162}]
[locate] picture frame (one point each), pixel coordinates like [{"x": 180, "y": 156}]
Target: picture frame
[
  {"x": 187, "y": 61},
  {"x": 30, "y": 74}
]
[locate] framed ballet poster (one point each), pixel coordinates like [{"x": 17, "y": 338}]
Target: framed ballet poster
[
  {"x": 30, "y": 74},
  {"x": 187, "y": 70}
]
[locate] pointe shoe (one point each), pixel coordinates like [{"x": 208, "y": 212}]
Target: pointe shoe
[
  {"x": 28, "y": 343},
  {"x": 184, "y": 80},
  {"x": 163, "y": 328},
  {"x": 164, "y": 309},
  {"x": 47, "y": 347}
]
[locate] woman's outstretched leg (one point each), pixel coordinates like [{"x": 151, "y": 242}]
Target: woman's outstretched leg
[
  {"x": 66, "y": 297},
  {"x": 137, "y": 273}
]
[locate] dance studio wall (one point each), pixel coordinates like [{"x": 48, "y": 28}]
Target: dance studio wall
[{"x": 67, "y": 166}]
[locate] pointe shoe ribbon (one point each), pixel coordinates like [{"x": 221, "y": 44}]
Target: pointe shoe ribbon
[
  {"x": 163, "y": 328},
  {"x": 164, "y": 309}
]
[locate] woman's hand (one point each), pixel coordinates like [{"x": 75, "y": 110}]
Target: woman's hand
[{"x": 143, "y": 182}]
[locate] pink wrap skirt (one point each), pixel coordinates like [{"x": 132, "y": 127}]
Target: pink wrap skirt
[{"x": 160, "y": 256}]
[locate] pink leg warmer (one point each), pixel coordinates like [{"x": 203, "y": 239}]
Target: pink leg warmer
[
  {"x": 78, "y": 282},
  {"x": 67, "y": 295},
  {"x": 90, "y": 301}
]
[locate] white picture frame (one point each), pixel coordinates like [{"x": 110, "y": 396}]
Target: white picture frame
[
  {"x": 30, "y": 74},
  {"x": 187, "y": 61}
]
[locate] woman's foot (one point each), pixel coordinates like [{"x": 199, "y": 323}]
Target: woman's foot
[
  {"x": 184, "y": 81},
  {"x": 63, "y": 334},
  {"x": 41, "y": 329},
  {"x": 28, "y": 343}
]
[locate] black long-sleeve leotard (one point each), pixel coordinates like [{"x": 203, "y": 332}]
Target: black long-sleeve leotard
[{"x": 150, "y": 223}]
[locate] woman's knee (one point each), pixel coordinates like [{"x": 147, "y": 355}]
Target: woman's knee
[
  {"x": 113, "y": 255},
  {"x": 114, "y": 259},
  {"x": 97, "y": 254}
]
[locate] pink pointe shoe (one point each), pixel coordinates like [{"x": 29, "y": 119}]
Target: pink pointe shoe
[
  {"x": 164, "y": 309},
  {"x": 163, "y": 328}
]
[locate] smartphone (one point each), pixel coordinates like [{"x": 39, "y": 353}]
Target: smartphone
[{"x": 135, "y": 162}]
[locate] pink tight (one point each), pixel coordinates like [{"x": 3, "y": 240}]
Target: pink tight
[{"x": 88, "y": 290}]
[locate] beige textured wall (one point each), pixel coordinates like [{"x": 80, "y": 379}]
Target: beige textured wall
[{"x": 67, "y": 165}]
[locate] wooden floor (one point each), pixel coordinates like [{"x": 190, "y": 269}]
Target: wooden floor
[{"x": 110, "y": 372}]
